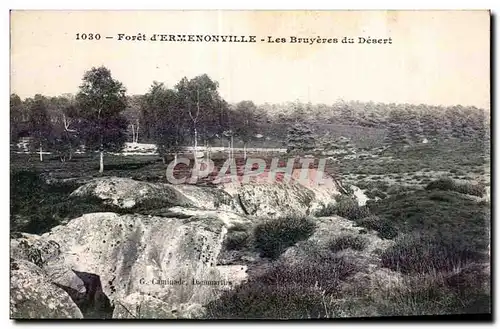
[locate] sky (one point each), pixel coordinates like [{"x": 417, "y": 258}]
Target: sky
[{"x": 436, "y": 57}]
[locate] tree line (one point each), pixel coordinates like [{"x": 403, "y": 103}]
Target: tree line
[{"x": 101, "y": 117}]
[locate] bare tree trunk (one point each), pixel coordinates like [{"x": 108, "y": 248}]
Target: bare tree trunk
[
  {"x": 245, "y": 151},
  {"x": 232, "y": 147},
  {"x": 41, "y": 155},
  {"x": 195, "y": 144},
  {"x": 133, "y": 133},
  {"x": 175, "y": 159},
  {"x": 137, "y": 133},
  {"x": 101, "y": 161}
]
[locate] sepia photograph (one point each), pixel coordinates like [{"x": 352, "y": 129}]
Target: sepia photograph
[{"x": 250, "y": 164}]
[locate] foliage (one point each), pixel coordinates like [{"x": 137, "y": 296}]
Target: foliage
[
  {"x": 421, "y": 253},
  {"x": 300, "y": 138},
  {"x": 101, "y": 101},
  {"x": 382, "y": 226},
  {"x": 347, "y": 241},
  {"x": 447, "y": 184},
  {"x": 161, "y": 110},
  {"x": 36, "y": 206},
  {"x": 285, "y": 291},
  {"x": 447, "y": 222},
  {"x": 39, "y": 123},
  {"x": 273, "y": 236}
]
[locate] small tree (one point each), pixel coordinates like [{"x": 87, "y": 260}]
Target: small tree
[
  {"x": 201, "y": 101},
  {"x": 39, "y": 123},
  {"x": 101, "y": 101},
  {"x": 167, "y": 128},
  {"x": 245, "y": 122},
  {"x": 16, "y": 117},
  {"x": 300, "y": 138}
]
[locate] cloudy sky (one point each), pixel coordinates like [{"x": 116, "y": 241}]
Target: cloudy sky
[{"x": 439, "y": 57}]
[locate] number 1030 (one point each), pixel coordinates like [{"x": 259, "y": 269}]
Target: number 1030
[{"x": 88, "y": 36}]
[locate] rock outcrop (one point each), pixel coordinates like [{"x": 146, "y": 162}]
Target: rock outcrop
[
  {"x": 102, "y": 256},
  {"x": 127, "y": 193},
  {"x": 257, "y": 198}
]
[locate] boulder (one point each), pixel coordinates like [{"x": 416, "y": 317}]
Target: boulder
[{"x": 33, "y": 296}]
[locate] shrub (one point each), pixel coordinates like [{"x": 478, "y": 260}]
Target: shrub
[
  {"x": 342, "y": 242},
  {"x": 399, "y": 189},
  {"x": 255, "y": 300},
  {"x": 443, "y": 215},
  {"x": 382, "y": 226},
  {"x": 238, "y": 237},
  {"x": 322, "y": 270},
  {"x": 430, "y": 295},
  {"x": 421, "y": 254},
  {"x": 447, "y": 184},
  {"x": 285, "y": 291},
  {"x": 326, "y": 211},
  {"x": 472, "y": 189},
  {"x": 273, "y": 236},
  {"x": 348, "y": 208},
  {"x": 376, "y": 193}
]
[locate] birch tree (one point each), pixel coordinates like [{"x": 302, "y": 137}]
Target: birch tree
[{"x": 101, "y": 101}]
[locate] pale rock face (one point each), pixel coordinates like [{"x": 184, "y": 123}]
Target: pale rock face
[
  {"x": 137, "y": 254},
  {"x": 127, "y": 193},
  {"x": 32, "y": 295},
  {"x": 302, "y": 194},
  {"x": 260, "y": 197}
]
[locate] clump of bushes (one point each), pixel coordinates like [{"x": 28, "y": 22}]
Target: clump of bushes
[
  {"x": 348, "y": 241},
  {"x": 273, "y": 236},
  {"x": 286, "y": 291},
  {"x": 238, "y": 238},
  {"x": 382, "y": 226},
  {"x": 346, "y": 207},
  {"x": 425, "y": 254},
  {"x": 432, "y": 295},
  {"x": 349, "y": 208},
  {"x": 376, "y": 193},
  {"x": 399, "y": 189},
  {"x": 447, "y": 184}
]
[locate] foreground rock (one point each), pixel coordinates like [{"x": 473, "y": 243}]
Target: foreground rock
[
  {"x": 32, "y": 295},
  {"x": 123, "y": 259}
]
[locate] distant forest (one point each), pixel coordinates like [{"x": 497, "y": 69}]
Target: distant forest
[{"x": 193, "y": 112}]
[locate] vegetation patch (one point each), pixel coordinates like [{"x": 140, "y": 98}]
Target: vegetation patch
[
  {"x": 286, "y": 291},
  {"x": 447, "y": 184},
  {"x": 348, "y": 241},
  {"x": 273, "y": 236},
  {"x": 423, "y": 254}
]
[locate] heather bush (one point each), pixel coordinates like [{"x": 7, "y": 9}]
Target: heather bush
[
  {"x": 424, "y": 254},
  {"x": 348, "y": 241},
  {"x": 273, "y": 236}
]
